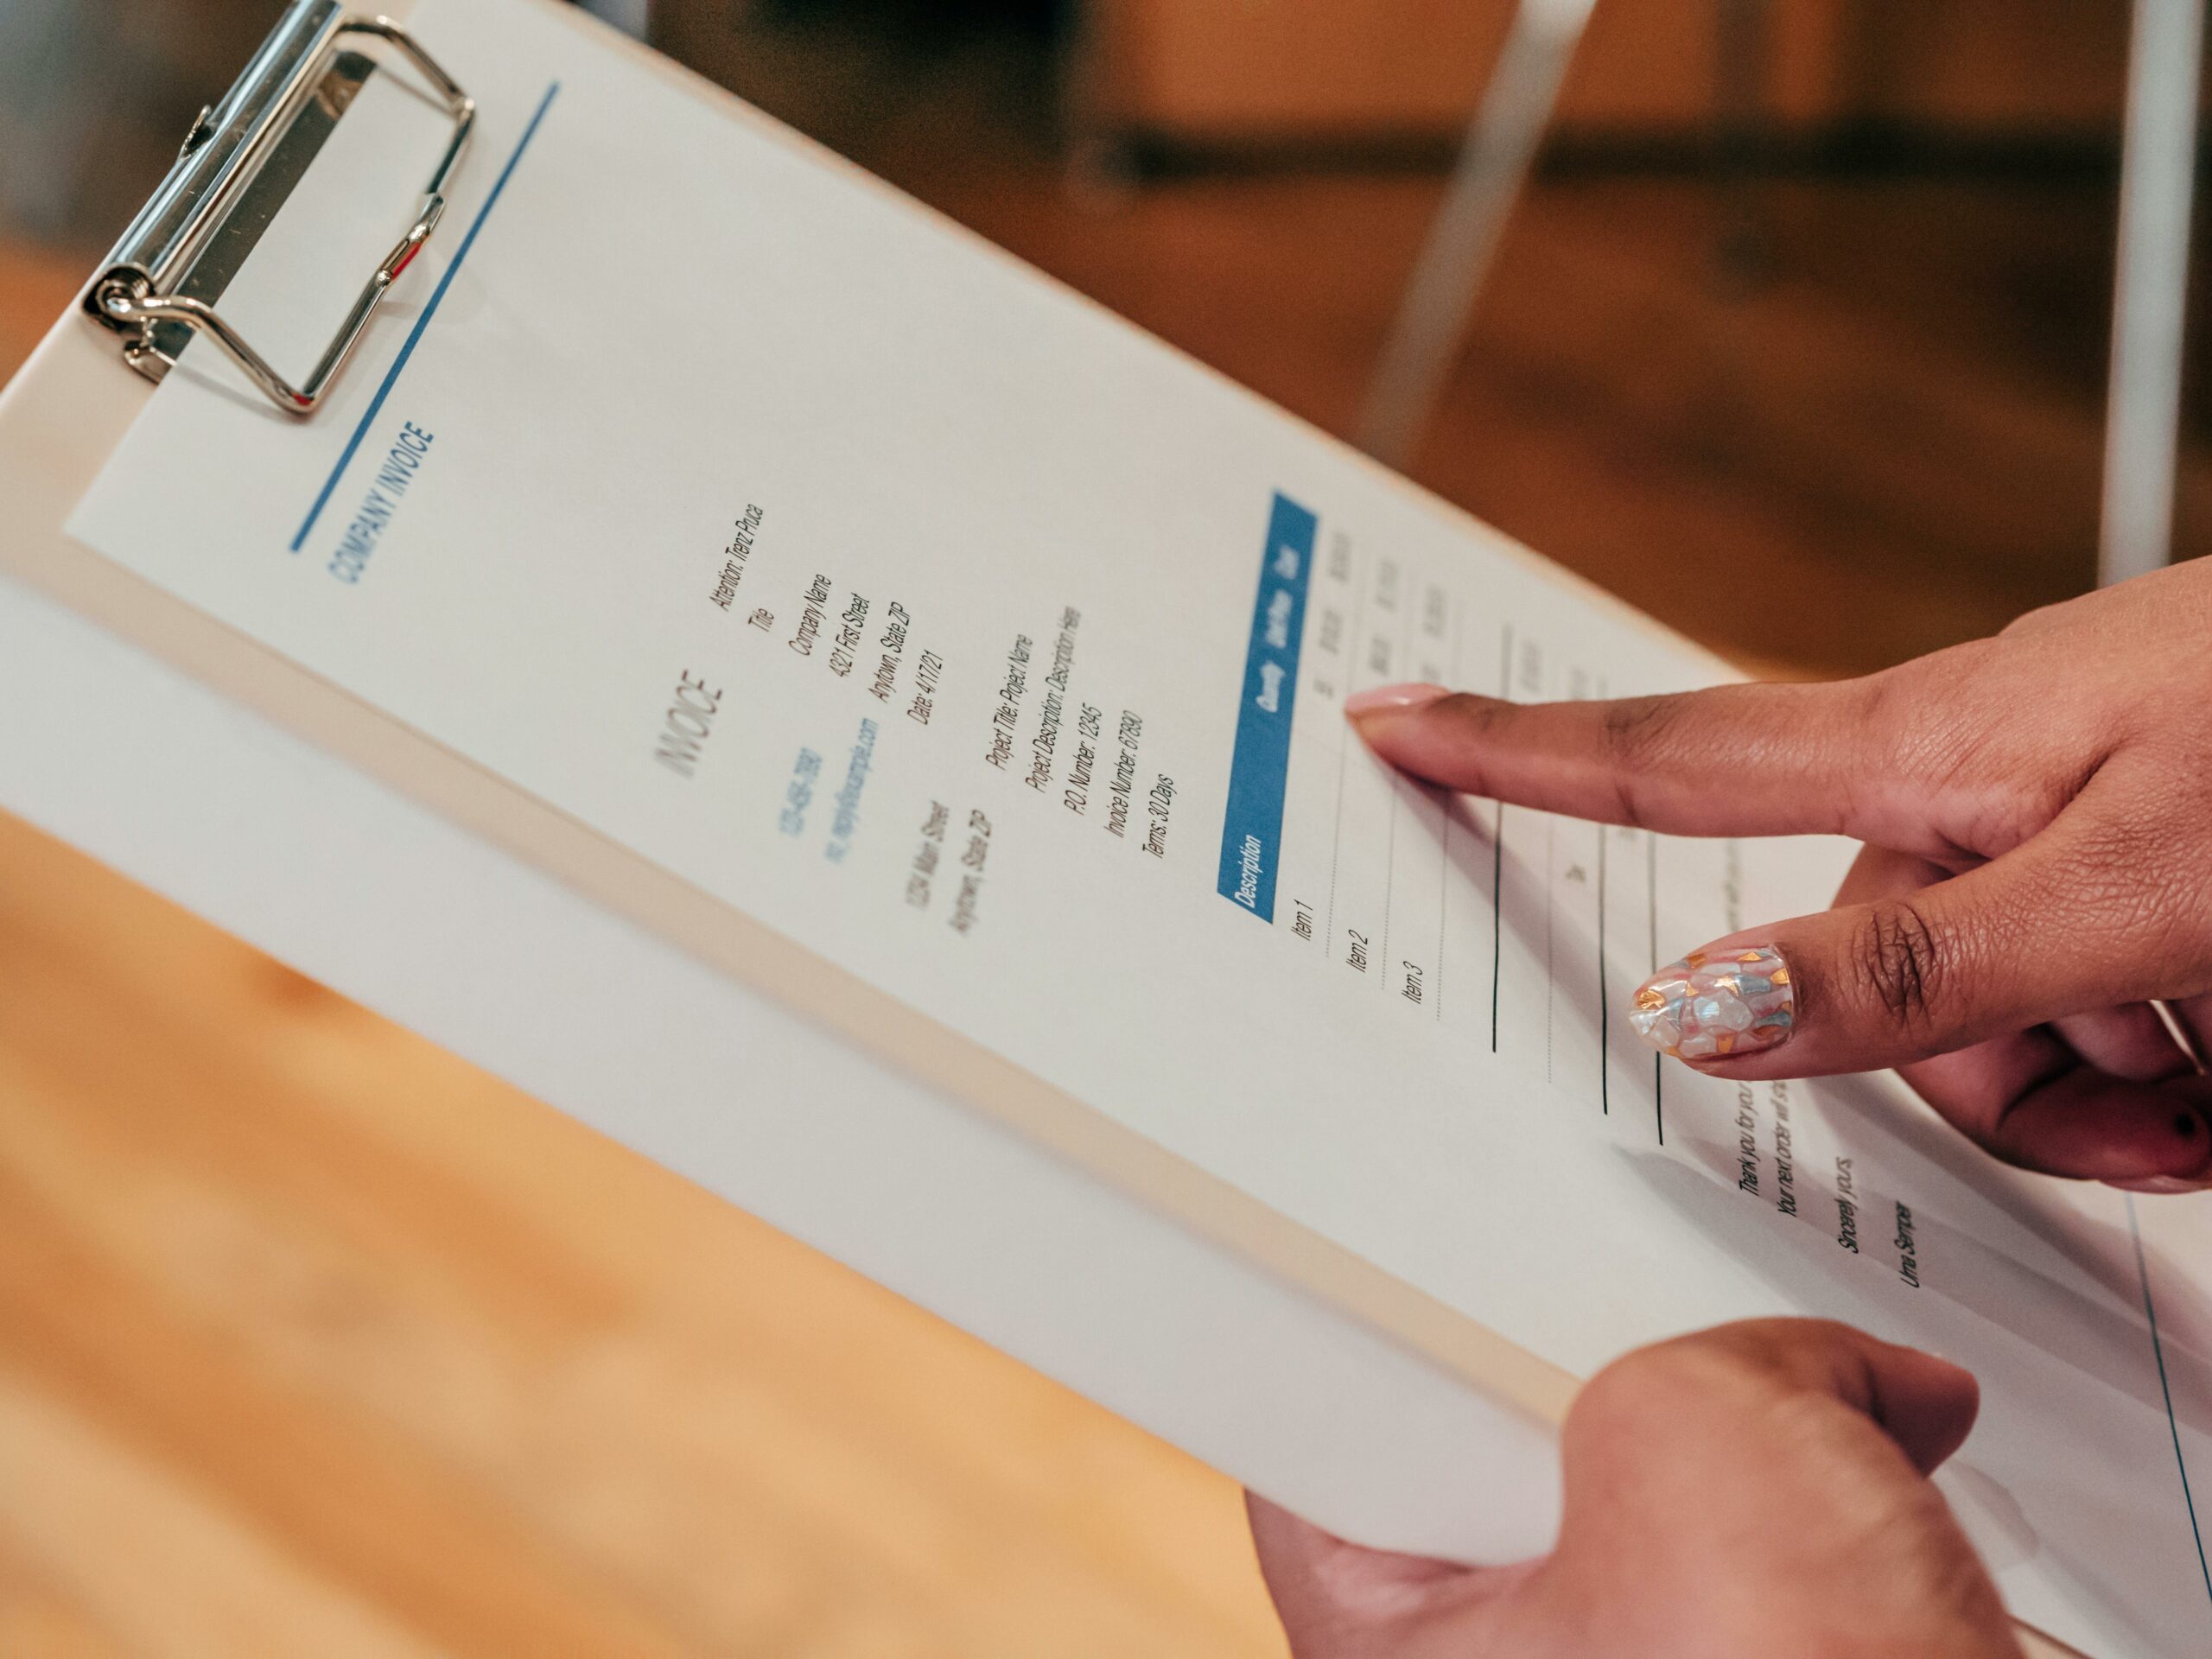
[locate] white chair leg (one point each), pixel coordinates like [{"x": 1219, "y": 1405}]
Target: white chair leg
[
  {"x": 1494, "y": 162},
  {"x": 2151, "y": 289}
]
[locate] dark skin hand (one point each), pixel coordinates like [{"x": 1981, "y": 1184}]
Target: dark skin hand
[
  {"x": 1749, "y": 1492},
  {"x": 2036, "y": 811}
]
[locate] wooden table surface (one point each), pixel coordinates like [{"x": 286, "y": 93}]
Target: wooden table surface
[{"x": 315, "y": 1341}]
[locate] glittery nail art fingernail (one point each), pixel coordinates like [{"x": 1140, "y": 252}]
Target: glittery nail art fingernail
[{"x": 1714, "y": 1003}]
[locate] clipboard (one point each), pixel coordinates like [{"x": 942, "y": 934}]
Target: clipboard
[
  {"x": 1229, "y": 1341},
  {"x": 1174, "y": 1326}
]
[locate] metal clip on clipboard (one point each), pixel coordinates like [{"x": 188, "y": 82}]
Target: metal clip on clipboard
[{"x": 240, "y": 161}]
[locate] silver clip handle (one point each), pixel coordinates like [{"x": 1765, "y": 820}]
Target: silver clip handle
[{"x": 227, "y": 149}]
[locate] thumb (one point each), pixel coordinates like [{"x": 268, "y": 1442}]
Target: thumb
[
  {"x": 2032, "y": 936},
  {"x": 1659, "y": 1404},
  {"x": 1824, "y": 1534}
]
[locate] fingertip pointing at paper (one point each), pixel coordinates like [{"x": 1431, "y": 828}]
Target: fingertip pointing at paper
[
  {"x": 1395, "y": 722},
  {"x": 1392, "y": 700}
]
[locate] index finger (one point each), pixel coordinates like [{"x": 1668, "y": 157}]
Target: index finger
[{"x": 1732, "y": 761}]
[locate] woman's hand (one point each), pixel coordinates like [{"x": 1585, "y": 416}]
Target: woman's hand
[
  {"x": 2037, "y": 814},
  {"x": 1753, "y": 1491}
]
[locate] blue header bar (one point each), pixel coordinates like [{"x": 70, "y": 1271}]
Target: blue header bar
[{"x": 1251, "y": 835}]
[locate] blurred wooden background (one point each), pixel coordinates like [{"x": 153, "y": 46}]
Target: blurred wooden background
[
  {"x": 315, "y": 1341},
  {"x": 1220, "y": 73}
]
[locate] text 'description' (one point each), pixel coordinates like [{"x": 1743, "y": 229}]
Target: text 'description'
[{"x": 1251, "y": 834}]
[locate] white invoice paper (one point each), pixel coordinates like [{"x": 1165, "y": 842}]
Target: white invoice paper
[{"x": 893, "y": 595}]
